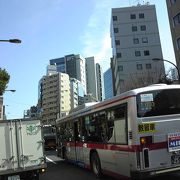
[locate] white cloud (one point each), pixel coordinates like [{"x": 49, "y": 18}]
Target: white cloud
[{"x": 96, "y": 38}]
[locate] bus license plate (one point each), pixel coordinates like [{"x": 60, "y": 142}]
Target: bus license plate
[{"x": 175, "y": 159}]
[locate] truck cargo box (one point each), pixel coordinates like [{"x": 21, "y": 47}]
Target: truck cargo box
[{"x": 21, "y": 149}]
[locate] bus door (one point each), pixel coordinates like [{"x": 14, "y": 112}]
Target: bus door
[
  {"x": 70, "y": 141},
  {"x": 121, "y": 152},
  {"x": 78, "y": 143}
]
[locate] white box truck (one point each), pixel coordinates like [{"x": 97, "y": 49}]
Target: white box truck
[{"x": 21, "y": 149}]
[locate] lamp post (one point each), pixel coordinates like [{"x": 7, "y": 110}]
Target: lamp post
[
  {"x": 12, "y": 90},
  {"x": 158, "y": 59},
  {"x": 11, "y": 40}
]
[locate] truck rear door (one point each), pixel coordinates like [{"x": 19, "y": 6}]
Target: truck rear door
[
  {"x": 30, "y": 145},
  {"x": 8, "y": 150}
]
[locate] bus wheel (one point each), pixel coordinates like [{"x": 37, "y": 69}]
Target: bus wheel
[{"x": 96, "y": 164}]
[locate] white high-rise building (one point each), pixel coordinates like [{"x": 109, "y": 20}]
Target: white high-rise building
[
  {"x": 54, "y": 98},
  {"x": 135, "y": 42}
]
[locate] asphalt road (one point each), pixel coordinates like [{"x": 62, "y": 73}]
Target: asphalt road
[{"x": 59, "y": 170}]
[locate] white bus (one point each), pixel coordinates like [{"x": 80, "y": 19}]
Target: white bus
[{"x": 133, "y": 135}]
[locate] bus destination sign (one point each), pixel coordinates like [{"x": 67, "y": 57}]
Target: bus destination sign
[{"x": 174, "y": 141}]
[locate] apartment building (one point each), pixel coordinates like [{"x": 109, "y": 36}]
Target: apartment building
[
  {"x": 135, "y": 42},
  {"x": 54, "y": 98}
]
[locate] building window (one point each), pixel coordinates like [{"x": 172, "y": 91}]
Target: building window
[
  {"x": 136, "y": 41},
  {"x": 121, "y": 82},
  {"x": 118, "y": 55},
  {"x": 172, "y": 1},
  {"x": 117, "y": 42},
  {"x": 146, "y": 53},
  {"x": 133, "y": 16},
  {"x": 141, "y": 16},
  {"x": 148, "y": 66},
  {"x": 137, "y": 53},
  {"x": 139, "y": 66},
  {"x": 120, "y": 68},
  {"x": 116, "y": 30},
  {"x": 178, "y": 43},
  {"x": 143, "y": 28},
  {"x": 176, "y": 19},
  {"x": 144, "y": 40},
  {"x": 114, "y": 18},
  {"x": 134, "y": 28}
]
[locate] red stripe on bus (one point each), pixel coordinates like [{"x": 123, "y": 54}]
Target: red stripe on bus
[{"x": 128, "y": 148}]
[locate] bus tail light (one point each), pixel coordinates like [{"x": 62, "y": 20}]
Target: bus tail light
[{"x": 146, "y": 140}]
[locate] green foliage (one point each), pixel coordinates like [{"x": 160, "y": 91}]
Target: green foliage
[{"x": 4, "y": 79}]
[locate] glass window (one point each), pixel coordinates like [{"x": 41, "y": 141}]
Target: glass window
[
  {"x": 176, "y": 19},
  {"x": 143, "y": 28},
  {"x": 144, "y": 40},
  {"x": 141, "y": 16},
  {"x": 136, "y": 41},
  {"x": 139, "y": 66},
  {"x": 133, "y": 16},
  {"x": 134, "y": 28},
  {"x": 114, "y": 18},
  {"x": 146, "y": 53},
  {"x": 158, "y": 102},
  {"x": 172, "y": 1},
  {"x": 117, "y": 42},
  {"x": 148, "y": 66},
  {"x": 118, "y": 55},
  {"x": 137, "y": 53},
  {"x": 120, "y": 68},
  {"x": 178, "y": 43},
  {"x": 116, "y": 30}
]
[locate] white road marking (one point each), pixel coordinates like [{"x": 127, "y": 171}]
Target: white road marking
[{"x": 51, "y": 160}]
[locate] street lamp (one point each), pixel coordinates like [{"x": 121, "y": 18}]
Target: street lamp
[
  {"x": 158, "y": 59},
  {"x": 11, "y": 40},
  {"x": 12, "y": 90}
]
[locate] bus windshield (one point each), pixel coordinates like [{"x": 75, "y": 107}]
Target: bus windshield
[{"x": 158, "y": 103}]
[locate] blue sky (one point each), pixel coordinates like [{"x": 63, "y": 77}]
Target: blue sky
[{"x": 54, "y": 28}]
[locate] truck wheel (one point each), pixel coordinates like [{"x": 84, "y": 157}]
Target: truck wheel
[{"x": 96, "y": 165}]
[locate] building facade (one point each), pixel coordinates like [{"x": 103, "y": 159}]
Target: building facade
[
  {"x": 135, "y": 42},
  {"x": 100, "y": 82},
  {"x": 91, "y": 77},
  {"x": 108, "y": 84},
  {"x": 54, "y": 98},
  {"x": 173, "y": 7}
]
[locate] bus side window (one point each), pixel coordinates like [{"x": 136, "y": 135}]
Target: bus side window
[
  {"x": 111, "y": 138},
  {"x": 110, "y": 124}
]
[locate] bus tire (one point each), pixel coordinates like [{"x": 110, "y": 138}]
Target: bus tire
[{"x": 96, "y": 164}]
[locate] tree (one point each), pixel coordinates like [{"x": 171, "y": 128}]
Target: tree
[{"x": 4, "y": 79}]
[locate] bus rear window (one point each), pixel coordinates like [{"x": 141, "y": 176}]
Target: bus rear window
[{"x": 158, "y": 103}]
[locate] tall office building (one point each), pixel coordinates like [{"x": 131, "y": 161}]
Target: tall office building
[
  {"x": 59, "y": 63},
  {"x": 94, "y": 79},
  {"x": 91, "y": 77},
  {"x": 77, "y": 92},
  {"x": 108, "y": 84},
  {"x": 135, "y": 42},
  {"x": 73, "y": 65},
  {"x": 100, "y": 82},
  {"x": 75, "y": 68},
  {"x": 173, "y": 7},
  {"x": 54, "y": 97}
]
